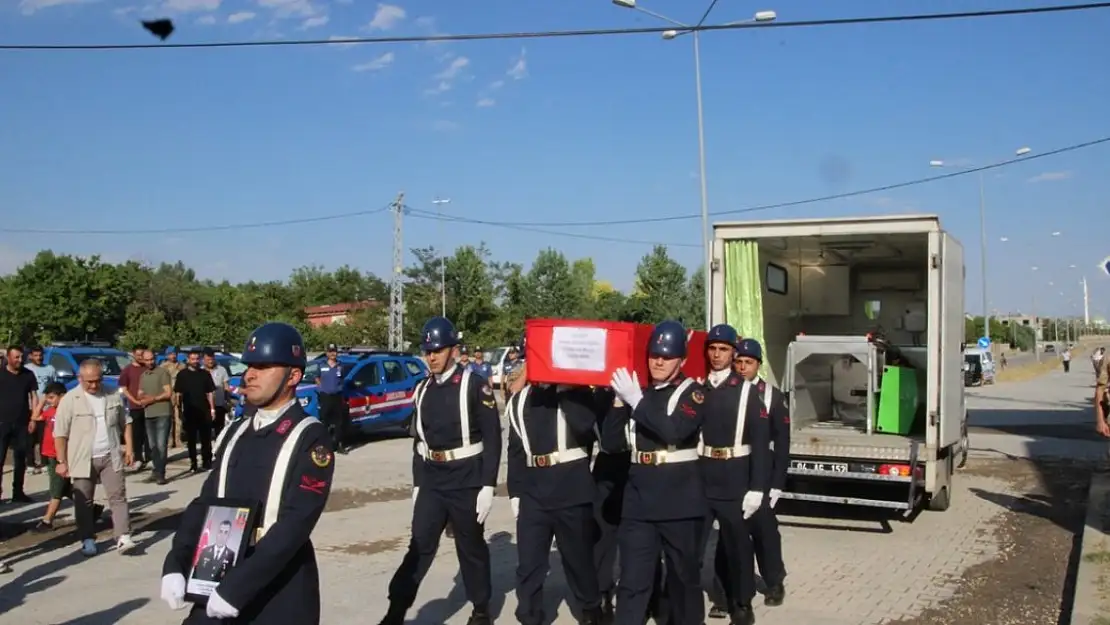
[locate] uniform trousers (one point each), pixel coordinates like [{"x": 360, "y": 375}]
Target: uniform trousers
[
  {"x": 733, "y": 565},
  {"x": 571, "y": 528},
  {"x": 767, "y": 543},
  {"x": 433, "y": 509},
  {"x": 640, "y": 543},
  {"x": 334, "y": 412}
]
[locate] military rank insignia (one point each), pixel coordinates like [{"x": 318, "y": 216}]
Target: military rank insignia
[
  {"x": 321, "y": 456},
  {"x": 697, "y": 397}
]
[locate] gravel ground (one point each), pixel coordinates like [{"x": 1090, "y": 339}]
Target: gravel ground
[{"x": 1031, "y": 581}]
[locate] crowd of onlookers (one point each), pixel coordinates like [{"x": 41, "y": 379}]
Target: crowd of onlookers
[{"x": 88, "y": 435}]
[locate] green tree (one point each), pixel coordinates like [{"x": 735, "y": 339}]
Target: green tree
[
  {"x": 661, "y": 290},
  {"x": 551, "y": 288},
  {"x": 471, "y": 293}
]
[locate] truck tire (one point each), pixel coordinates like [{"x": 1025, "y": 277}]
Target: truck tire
[
  {"x": 965, "y": 447},
  {"x": 940, "y": 501}
]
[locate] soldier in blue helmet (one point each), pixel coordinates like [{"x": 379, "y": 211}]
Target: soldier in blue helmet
[
  {"x": 457, "y": 455},
  {"x": 766, "y": 539},
  {"x": 664, "y": 506},
  {"x": 277, "y": 450},
  {"x": 735, "y": 464}
]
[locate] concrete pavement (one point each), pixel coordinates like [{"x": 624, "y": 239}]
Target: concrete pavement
[{"x": 857, "y": 569}]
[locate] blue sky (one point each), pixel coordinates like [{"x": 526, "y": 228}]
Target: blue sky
[{"x": 546, "y": 130}]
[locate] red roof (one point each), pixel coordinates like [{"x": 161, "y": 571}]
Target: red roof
[{"x": 338, "y": 309}]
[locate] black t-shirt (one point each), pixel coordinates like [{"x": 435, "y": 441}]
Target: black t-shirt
[
  {"x": 194, "y": 386},
  {"x": 15, "y": 390}
]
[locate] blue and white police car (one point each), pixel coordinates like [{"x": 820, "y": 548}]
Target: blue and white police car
[{"x": 66, "y": 358}]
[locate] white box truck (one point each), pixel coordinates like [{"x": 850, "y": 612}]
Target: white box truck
[{"x": 862, "y": 326}]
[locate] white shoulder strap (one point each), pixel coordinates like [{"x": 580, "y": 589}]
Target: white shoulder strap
[
  {"x": 281, "y": 472},
  {"x": 672, "y": 403},
  {"x": 225, "y": 455},
  {"x": 742, "y": 413},
  {"x": 516, "y": 418},
  {"x": 418, "y": 401},
  {"x": 464, "y": 407}
]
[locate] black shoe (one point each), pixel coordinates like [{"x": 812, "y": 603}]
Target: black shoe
[
  {"x": 718, "y": 611},
  {"x": 42, "y": 527},
  {"x": 194, "y": 469},
  {"x": 98, "y": 511},
  {"x": 22, "y": 498},
  {"x": 591, "y": 616},
  {"x": 480, "y": 616},
  {"x": 449, "y": 531},
  {"x": 742, "y": 615},
  {"x": 775, "y": 595},
  {"x": 608, "y": 610},
  {"x": 160, "y": 480},
  {"x": 343, "y": 450}
]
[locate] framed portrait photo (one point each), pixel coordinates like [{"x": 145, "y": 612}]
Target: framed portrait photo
[{"x": 221, "y": 544}]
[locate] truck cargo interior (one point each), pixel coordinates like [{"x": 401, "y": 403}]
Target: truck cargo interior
[{"x": 838, "y": 290}]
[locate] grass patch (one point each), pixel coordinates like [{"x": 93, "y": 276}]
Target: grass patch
[
  {"x": 1031, "y": 370},
  {"x": 1097, "y": 557}
]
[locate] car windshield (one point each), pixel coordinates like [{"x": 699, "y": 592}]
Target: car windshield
[
  {"x": 311, "y": 372},
  {"x": 494, "y": 357},
  {"x": 112, "y": 364}
]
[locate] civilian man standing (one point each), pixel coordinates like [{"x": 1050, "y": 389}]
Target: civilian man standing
[
  {"x": 18, "y": 393},
  {"x": 334, "y": 411},
  {"x": 195, "y": 389},
  {"x": 219, "y": 396},
  {"x": 156, "y": 395},
  {"x": 129, "y": 380},
  {"x": 177, "y": 434}
]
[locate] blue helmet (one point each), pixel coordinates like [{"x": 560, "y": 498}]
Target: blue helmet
[
  {"x": 170, "y": 350},
  {"x": 750, "y": 348},
  {"x": 722, "y": 333},
  {"x": 275, "y": 343},
  {"x": 437, "y": 334},
  {"x": 668, "y": 339}
]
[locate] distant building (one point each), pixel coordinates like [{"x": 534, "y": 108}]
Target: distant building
[
  {"x": 330, "y": 314},
  {"x": 1024, "y": 320}
]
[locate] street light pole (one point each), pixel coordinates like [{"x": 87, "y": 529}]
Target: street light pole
[
  {"x": 684, "y": 29},
  {"x": 442, "y": 259}
]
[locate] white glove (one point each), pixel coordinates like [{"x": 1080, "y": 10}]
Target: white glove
[
  {"x": 485, "y": 503},
  {"x": 627, "y": 387},
  {"x": 752, "y": 500},
  {"x": 415, "y": 494},
  {"x": 774, "y": 495},
  {"x": 515, "y": 503},
  {"x": 173, "y": 590},
  {"x": 218, "y": 608}
]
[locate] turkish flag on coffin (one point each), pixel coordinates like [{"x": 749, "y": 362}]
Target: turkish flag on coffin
[{"x": 586, "y": 353}]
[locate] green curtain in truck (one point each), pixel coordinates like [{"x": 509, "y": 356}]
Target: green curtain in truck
[{"x": 744, "y": 291}]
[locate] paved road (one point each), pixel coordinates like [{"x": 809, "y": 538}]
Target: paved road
[{"x": 852, "y": 571}]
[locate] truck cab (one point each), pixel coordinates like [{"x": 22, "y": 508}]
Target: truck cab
[{"x": 862, "y": 323}]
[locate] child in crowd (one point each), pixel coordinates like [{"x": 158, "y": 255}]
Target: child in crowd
[{"x": 60, "y": 487}]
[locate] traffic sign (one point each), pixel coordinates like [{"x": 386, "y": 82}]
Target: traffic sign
[{"x": 984, "y": 342}]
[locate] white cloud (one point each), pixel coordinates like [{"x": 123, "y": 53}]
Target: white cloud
[
  {"x": 1051, "y": 176},
  {"x": 206, "y": 20},
  {"x": 452, "y": 70},
  {"x": 315, "y": 22},
  {"x": 189, "y": 6},
  {"x": 379, "y": 63},
  {"x": 442, "y": 87},
  {"x": 519, "y": 68},
  {"x": 486, "y": 102},
  {"x": 240, "y": 17},
  {"x": 387, "y": 16},
  {"x": 497, "y": 84},
  {"x": 289, "y": 8},
  {"x": 28, "y": 7}
]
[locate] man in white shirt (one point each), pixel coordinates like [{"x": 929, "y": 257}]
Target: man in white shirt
[{"x": 87, "y": 428}]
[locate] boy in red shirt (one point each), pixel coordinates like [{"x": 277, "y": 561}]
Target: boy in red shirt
[{"x": 60, "y": 487}]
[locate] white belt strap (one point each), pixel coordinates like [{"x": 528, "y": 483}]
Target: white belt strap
[
  {"x": 562, "y": 452},
  {"x": 464, "y": 410},
  {"x": 281, "y": 473},
  {"x": 671, "y": 456},
  {"x": 738, "y": 448},
  {"x": 672, "y": 403}
]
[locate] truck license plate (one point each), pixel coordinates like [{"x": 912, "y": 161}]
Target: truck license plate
[{"x": 807, "y": 465}]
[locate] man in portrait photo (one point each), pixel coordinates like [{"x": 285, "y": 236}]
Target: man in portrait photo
[{"x": 217, "y": 557}]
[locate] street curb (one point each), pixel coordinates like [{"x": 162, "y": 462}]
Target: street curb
[{"x": 1087, "y": 606}]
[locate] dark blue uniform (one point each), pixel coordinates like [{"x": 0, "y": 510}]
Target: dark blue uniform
[
  {"x": 334, "y": 411},
  {"x": 277, "y": 581},
  {"x": 766, "y": 538},
  {"x": 664, "y": 505},
  {"x": 450, "y": 470},
  {"x": 483, "y": 369},
  {"x": 550, "y": 436},
  {"x": 735, "y": 460}
]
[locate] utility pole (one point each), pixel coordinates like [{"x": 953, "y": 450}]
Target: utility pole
[
  {"x": 397, "y": 285},
  {"x": 1086, "y": 304},
  {"x": 442, "y": 257}
]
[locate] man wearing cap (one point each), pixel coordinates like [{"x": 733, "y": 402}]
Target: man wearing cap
[
  {"x": 278, "y": 457},
  {"x": 480, "y": 366},
  {"x": 457, "y": 453},
  {"x": 766, "y": 540},
  {"x": 664, "y": 500},
  {"x": 334, "y": 411}
]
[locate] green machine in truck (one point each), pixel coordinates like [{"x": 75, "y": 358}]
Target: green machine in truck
[{"x": 862, "y": 323}]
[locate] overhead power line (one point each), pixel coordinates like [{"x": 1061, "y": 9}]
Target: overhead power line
[
  {"x": 551, "y": 34},
  {"x": 539, "y": 227}
]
